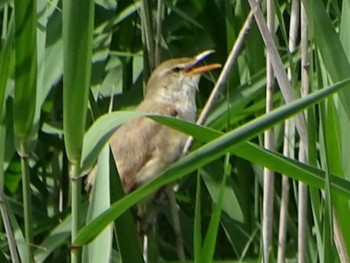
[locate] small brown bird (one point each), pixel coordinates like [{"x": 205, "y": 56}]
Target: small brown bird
[{"x": 142, "y": 148}]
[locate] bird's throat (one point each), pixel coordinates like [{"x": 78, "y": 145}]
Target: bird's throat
[{"x": 184, "y": 101}]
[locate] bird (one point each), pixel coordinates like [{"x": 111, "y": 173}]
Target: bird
[{"x": 143, "y": 148}]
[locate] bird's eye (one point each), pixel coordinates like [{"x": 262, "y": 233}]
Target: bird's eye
[{"x": 177, "y": 69}]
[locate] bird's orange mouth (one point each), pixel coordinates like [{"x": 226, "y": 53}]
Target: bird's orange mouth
[{"x": 202, "y": 69}]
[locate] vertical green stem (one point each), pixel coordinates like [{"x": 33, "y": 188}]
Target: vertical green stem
[
  {"x": 76, "y": 200},
  {"x": 27, "y": 204}
]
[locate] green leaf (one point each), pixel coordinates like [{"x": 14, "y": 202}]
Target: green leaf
[
  {"x": 5, "y": 58},
  {"x": 208, "y": 249},
  {"x": 100, "y": 248},
  {"x": 77, "y": 43},
  {"x": 26, "y": 67}
]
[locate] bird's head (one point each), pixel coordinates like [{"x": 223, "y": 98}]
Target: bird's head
[{"x": 178, "y": 77}]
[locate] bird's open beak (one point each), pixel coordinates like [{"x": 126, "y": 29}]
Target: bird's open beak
[{"x": 201, "y": 69}]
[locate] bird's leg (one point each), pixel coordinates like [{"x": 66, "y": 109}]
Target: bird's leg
[
  {"x": 147, "y": 214},
  {"x": 164, "y": 195},
  {"x": 146, "y": 222}
]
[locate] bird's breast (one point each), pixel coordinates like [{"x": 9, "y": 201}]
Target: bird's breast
[
  {"x": 183, "y": 101},
  {"x": 187, "y": 111}
]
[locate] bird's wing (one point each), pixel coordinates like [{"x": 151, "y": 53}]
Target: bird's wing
[{"x": 141, "y": 147}]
